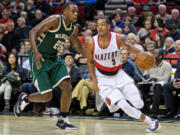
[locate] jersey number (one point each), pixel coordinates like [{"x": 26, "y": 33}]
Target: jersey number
[{"x": 113, "y": 61}]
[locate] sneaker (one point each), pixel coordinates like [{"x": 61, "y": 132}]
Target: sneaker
[
  {"x": 154, "y": 126},
  {"x": 21, "y": 104},
  {"x": 7, "y": 108},
  {"x": 65, "y": 124}
]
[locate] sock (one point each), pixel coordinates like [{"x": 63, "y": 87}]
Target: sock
[
  {"x": 148, "y": 120},
  {"x": 63, "y": 115}
]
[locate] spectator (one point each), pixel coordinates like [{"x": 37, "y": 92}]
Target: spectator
[
  {"x": 24, "y": 53},
  {"x": 72, "y": 69},
  {"x": 174, "y": 20},
  {"x": 159, "y": 40},
  {"x": 22, "y": 30},
  {"x": 168, "y": 46},
  {"x": 127, "y": 66},
  {"x": 147, "y": 40},
  {"x": 141, "y": 18},
  {"x": 44, "y": 6},
  {"x": 131, "y": 38},
  {"x": 23, "y": 14},
  {"x": 151, "y": 47},
  {"x": 5, "y": 18},
  {"x": 86, "y": 35},
  {"x": 69, "y": 48},
  {"x": 125, "y": 31},
  {"x": 160, "y": 73},
  {"x": 168, "y": 90},
  {"x": 30, "y": 10},
  {"x": 131, "y": 12},
  {"x": 17, "y": 3},
  {"x": 128, "y": 21},
  {"x": 118, "y": 30},
  {"x": 11, "y": 39},
  {"x": 159, "y": 27},
  {"x": 12, "y": 13},
  {"x": 174, "y": 32},
  {"x": 150, "y": 17},
  {"x": 2, "y": 31},
  {"x": 144, "y": 32},
  {"x": 116, "y": 21},
  {"x": 175, "y": 54},
  {"x": 91, "y": 25},
  {"x": 162, "y": 13},
  {"x": 38, "y": 18},
  {"x": 12, "y": 72}
]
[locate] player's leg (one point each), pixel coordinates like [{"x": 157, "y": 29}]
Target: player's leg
[
  {"x": 132, "y": 94},
  {"x": 44, "y": 95},
  {"x": 66, "y": 96}
]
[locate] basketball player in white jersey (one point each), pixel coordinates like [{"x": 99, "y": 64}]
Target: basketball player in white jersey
[{"x": 114, "y": 85}]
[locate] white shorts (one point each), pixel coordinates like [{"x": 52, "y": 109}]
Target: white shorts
[{"x": 117, "y": 87}]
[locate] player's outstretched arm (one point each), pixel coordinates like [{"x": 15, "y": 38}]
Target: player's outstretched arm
[
  {"x": 91, "y": 67},
  {"x": 76, "y": 42},
  {"x": 126, "y": 45},
  {"x": 48, "y": 24}
]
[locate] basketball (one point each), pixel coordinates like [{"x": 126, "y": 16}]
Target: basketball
[{"x": 144, "y": 61}]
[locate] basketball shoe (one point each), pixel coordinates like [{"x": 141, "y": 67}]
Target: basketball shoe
[
  {"x": 21, "y": 104},
  {"x": 154, "y": 126},
  {"x": 65, "y": 124}
]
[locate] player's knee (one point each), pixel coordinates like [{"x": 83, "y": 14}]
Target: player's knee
[
  {"x": 47, "y": 96},
  {"x": 66, "y": 86},
  {"x": 123, "y": 104},
  {"x": 138, "y": 104}
]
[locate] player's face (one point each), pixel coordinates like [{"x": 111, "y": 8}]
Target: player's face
[
  {"x": 72, "y": 13},
  {"x": 102, "y": 27}
]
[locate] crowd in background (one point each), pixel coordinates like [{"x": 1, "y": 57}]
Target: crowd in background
[{"x": 157, "y": 33}]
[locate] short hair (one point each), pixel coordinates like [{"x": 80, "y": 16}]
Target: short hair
[
  {"x": 105, "y": 18},
  {"x": 160, "y": 22},
  {"x": 66, "y": 5}
]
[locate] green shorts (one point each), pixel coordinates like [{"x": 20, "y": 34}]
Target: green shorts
[{"x": 52, "y": 72}]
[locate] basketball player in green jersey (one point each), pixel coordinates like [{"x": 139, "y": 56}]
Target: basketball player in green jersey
[{"x": 47, "y": 68}]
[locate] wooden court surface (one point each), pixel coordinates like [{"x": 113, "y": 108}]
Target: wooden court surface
[{"x": 10, "y": 125}]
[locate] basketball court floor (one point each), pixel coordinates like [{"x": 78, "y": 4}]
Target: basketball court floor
[{"x": 10, "y": 125}]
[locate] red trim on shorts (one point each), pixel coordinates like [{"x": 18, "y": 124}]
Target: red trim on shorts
[
  {"x": 108, "y": 69},
  {"x": 118, "y": 46},
  {"x": 107, "y": 44}
]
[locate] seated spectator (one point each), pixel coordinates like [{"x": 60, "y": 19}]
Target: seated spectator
[
  {"x": 69, "y": 48},
  {"x": 168, "y": 46},
  {"x": 174, "y": 32},
  {"x": 159, "y": 40},
  {"x": 118, "y": 30},
  {"x": 24, "y": 51},
  {"x": 38, "y": 18},
  {"x": 150, "y": 47},
  {"x": 127, "y": 66},
  {"x": 72, "y": 69},
  {"x": 160, "y": 73},
  {"x": 131, "y": 12},
  {"x": 100, "y": 14},
  {"x": 91, "y": 25},
  {"x": 22, "y": 30},
  {"x": 116, "y": 21},
  {"x": 150, "y": 17},
  {"x": 162, "y": 13},
  {"x": 12, "y": 75},
  {"x": 11, "y": 39},
  {"x": 159, "y": 27},
  {"x": 168, "y": 90},
  {"x": 5, "y": 18},
  {"x": 30, "y": 9},
  {"x": 128, "y": 21},
  {"x": 144, "y": 32},
  {"x": 174, "y": 20},
  {"x": 125, "y": 31},
  {"x": 175, "y": 54},
  {"x": 132, "y": 39},
  {"x": 85, "y": 36},
  {"x": 2, "y": 31},
  {"x": 141, "y": 18},
  {"x": 147, "y": 39}
]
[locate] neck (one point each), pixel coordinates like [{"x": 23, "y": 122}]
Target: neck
[
  {"x": 13, "y": 66},
  {"x": 66, "y": 20},
  {"x": 106, "y": 36}
]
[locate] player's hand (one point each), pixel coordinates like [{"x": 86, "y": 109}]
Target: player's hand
[
  {"x": 37, "y": 59},
  {"x": 95, "y": 87}
]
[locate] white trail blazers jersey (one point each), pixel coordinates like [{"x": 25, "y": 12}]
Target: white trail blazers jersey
[{"x": 107, "y": 60}]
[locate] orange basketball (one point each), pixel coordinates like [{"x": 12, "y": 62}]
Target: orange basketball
[{"x": 144, "y": 61}]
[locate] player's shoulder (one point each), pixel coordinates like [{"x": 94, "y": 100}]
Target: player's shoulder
[{"x": 54, "y": 17}]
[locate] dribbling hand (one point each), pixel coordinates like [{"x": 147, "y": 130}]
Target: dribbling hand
[{"x": 37, "y": 59}]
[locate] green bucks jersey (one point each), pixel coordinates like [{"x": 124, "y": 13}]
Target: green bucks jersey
[{"x": 50, "y": 42}]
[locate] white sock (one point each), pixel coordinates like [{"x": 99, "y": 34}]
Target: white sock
[{"x": 148, "y": 120}]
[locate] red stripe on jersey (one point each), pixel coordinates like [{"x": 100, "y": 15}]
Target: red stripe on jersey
[
  {"x": 108, "y": 69},
  {"x": 118, "y": 46},
  {"x": 107, "y": 44}
]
